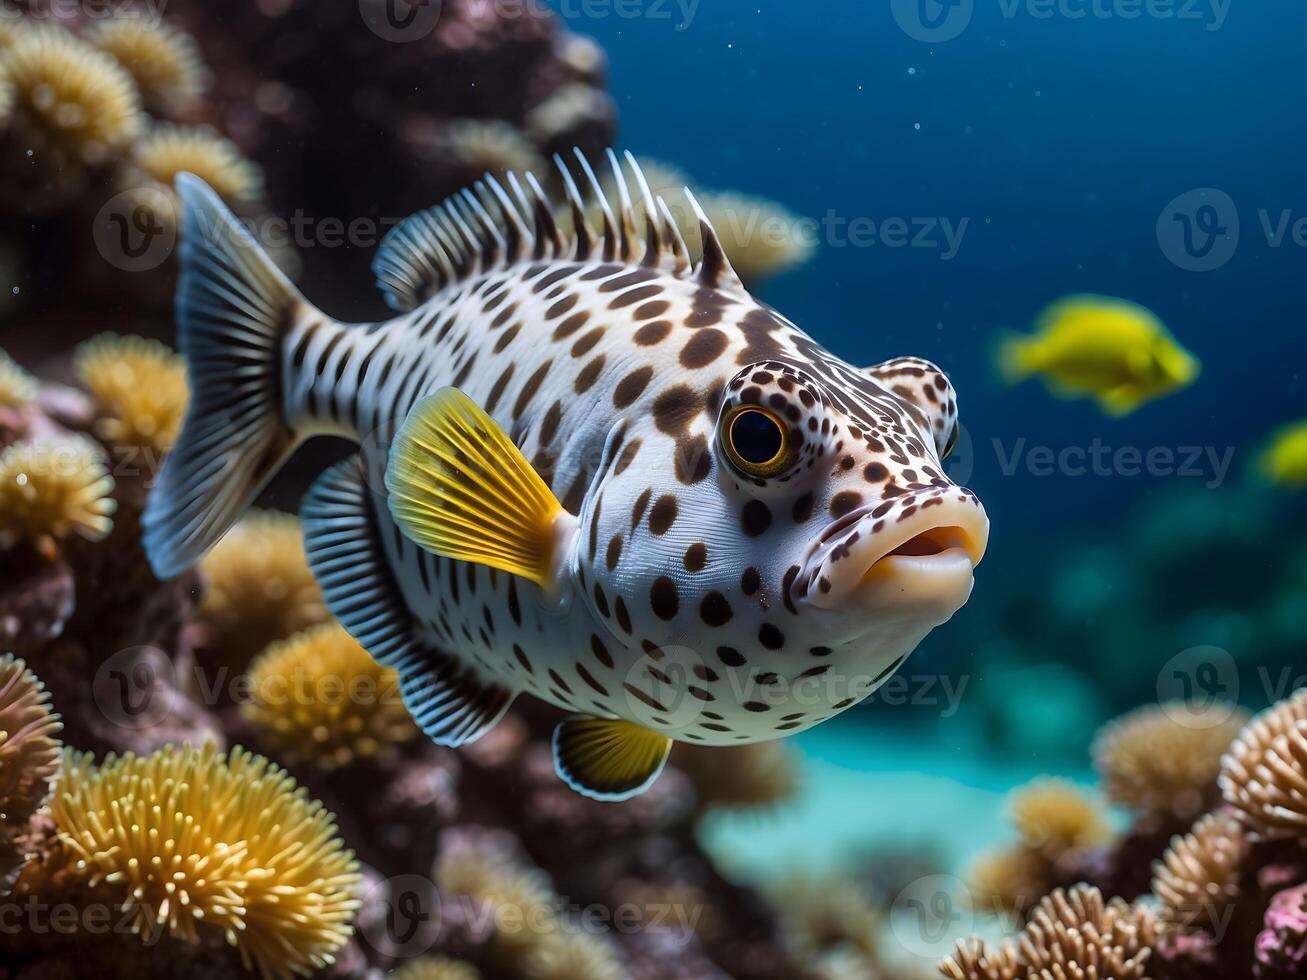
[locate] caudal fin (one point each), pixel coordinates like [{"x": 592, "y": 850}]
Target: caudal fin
[
  {"x": 234, "y": 308},
  {"x": 1011, "y": 356}
]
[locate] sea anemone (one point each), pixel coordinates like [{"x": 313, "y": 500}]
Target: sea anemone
[
  {"x": 70, "y": 97},
  {"x": 1008, "y": 882},
  {"x": 976, "y": 960},
  {"x": 167, "y": 151},
  {"x": 519, "y": 897},
  {"x": 1074, "y": 935},
  {"x": 318, "y": 699},
  {"x": 17, "y": 387},
  {"x": 193, "y": 841},
  {"x": 54, "y": 487},
  {"x": 435, "y": 968},
  {"x": 760, "y": 237},
  {"x": 492, "y": 146},
  {"x": 140, "y": 386},
  {"x": 571, "y": 955},
  {"x": 164, "y": 61},
  {"x": 1053, "y": 817},
  {"x": 260, "y": 589},
  {"x": 567, "y": 111},
  {"x": 823, "y": 914},
  {"x": 759, "y": 775},
  {"x": 29, "y": 750},
  {"x": 1197, "y": 878},
  {"x": 1264, "y": 775},
  {"x": 1164, "y": 759}
]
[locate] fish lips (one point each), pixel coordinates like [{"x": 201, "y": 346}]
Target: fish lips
[{"x": 913, "y": 563}]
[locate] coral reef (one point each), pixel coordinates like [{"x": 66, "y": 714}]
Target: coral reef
[
  {"x": 140, "y": 388},
  {"x": 155, "y": 819},
  {"x": 318, "y": 699},
  {"x": 29, "y": 760},
  {"x": 189, "y": 839},
  {"x": 52, "y": 488},
  {"x": 1230, "y": 891}
]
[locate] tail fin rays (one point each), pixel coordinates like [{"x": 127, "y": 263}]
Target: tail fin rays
[{"x": 234, "y": 308}]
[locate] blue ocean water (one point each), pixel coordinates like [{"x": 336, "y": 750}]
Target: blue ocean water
[
  {"x": 1075, "y": 143},
  {"x": 1059, "y": 139}
]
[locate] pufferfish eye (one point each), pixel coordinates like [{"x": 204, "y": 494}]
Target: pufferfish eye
[{"x": 756, "y": 441}]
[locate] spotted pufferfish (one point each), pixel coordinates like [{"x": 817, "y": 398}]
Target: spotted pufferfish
[{"x": 589, "y": 469}]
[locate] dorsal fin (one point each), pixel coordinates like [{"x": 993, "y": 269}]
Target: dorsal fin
[
  {"x": 494, "y": 224},
  {"x": 610, "y": 224},
  {"x": 714, "y": 269},
  {"x": 653, "y": 243},
  {"x": 625, "y": 213},
  {"x": 580, "y": 227}
]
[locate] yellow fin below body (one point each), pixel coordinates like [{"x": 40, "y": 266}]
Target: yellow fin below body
[
  {"x": 459, "y": 488},
  {"x": 608, "y": 758}
]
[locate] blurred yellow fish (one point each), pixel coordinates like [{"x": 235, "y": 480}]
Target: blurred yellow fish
[
  {"x": 1108, "y": 349},
  {"x": 1284, "y": 460}
]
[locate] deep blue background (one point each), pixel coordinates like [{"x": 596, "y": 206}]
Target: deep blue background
[{"x": 1061, "y": 140}]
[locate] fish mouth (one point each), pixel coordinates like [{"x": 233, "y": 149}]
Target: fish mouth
[{"x": 913, "y": 559}]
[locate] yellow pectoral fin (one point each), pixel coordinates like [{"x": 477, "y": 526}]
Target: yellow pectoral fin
[
  {"x": 608, "y": 759},
  {"x": 1122, "y": 400},
  {"x": 459, "y": 488}
]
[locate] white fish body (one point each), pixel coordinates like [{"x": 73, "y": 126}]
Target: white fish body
[{"x": 694, "y": 591}]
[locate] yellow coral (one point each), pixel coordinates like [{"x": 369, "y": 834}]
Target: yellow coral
[
  {"x": 260, "y": 589},
  {"x": 1264, "y": 775},
  {"x": 436, "y": 968},
  {"x": 572, "y": 955},
  {"x": 141, "y": 387},
  {"x": 193, "y": 841},
  {"x": 1198, "y": 876},
  {"x": 762, "y": 774},
  {"x": 171, "y": 150},
  {"x": 54, "y": 487},
  {"x": 164, "y": 61},
  {"x": 520, "y": 898},
  {"x": 17, "y": 387},
  {"x": 1164, "y": 759},
  {"x": 492, "y": 146},
  {"x": 69, "y": 96},
  {"x": 1053, "y": 817},
  {"x": 318, "y": 699},
  {"x": 29, "y": 749},
  {"x": 822, "y": 914},
  {"x": 1008, "y": 882}
]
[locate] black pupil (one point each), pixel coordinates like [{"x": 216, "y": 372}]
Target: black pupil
[{"x": 756, "y": 437}]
